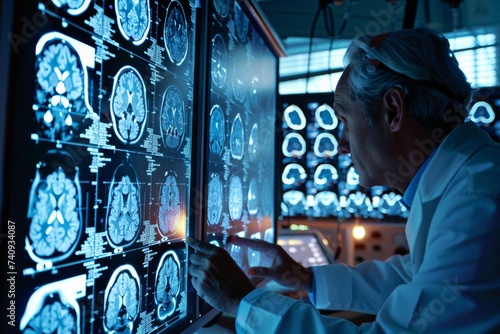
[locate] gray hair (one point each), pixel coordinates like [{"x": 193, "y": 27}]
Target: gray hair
[{"x": 420, "y": 61}]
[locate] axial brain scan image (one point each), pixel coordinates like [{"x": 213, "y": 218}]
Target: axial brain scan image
[
  {"x": 219, "y": 61},
  {"x": 173, "y": 118},
  {"x": 236, "y": 140},
  {"x": 241, "y": 22},
  {"x": 121, "y": 300},
  {"x": 73, "y": 7},
  {"x": 325, "y": 145},
  {"x": 325, "y": 116},
  {"x": 128, "y": 105},
  {"x": 222, "y": 7},
  {"x": 294, "y": 117},
  {"x": 168, "y": 285},
  {"x": 123, "y": 216},
  {"x": 217, "y": 130},
  {"x": 176, "y": 33},
  {"x": 60, "y": 97},
  {"x": 325, "y": 175},
  {"x": 56, "y": 221},
  {"x": 294, "y": 175},
  {"x": 170, "y": 206},
  {"x": 294, "y": 145},
  {"x": 235, "y": 198},
  {"x": 215, "y": 200},
  {"x": 133, "y": 19}
]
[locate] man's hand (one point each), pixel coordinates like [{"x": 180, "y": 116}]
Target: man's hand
[
  {"x": 216, "y": 277},
  {"x": 284, "y": 270}
]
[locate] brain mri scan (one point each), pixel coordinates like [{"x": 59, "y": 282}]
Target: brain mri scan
[
  {"x": 390, "y": 204},
  {"x": 215, "y": 200},
  {"x": 294, "y": 145},
  {"x": 253, "y": 197},
  {"x": 121, "y": 300},
  {"x": 482, "y": 112},
  {"x": 294, "y": 175},
  {"x": 61, "y": 101},
  {"x": 222, "y": 7},
  {"x": 294, "y": 203},
  {"x": 53, "y": 314},
  {"x": 55, "y": 211},
  {"x": 325, "y": 176},
  {"x": 253, "y": 143},
  {"x": 325, "y": 116},
  {"x": 325, "y": 203},
  {"x": 133, "y": 19},
  {"x": 168, "y": 285},
  {"x": 128, "y": 105},
  {"x": 325, "y": 145},
  {"x": 173, "y": 118},
  {"x": 176, "y": 33},
  {"x": 170, "y": 206},
  {"x": 217, "y": 131},
  {"x": 352, "y": 178},
  {"x": 236, "y": 139},
  {"x": 123, "y": 213},
  {"x": 219, "y": 61},
  {"x": 235, "y": 198},
  {"x": 239, "y": 73},
  {"x": 294, "y": 117},
  {"x": 73, "y": 7},
  {"x": 358, "y": 203},
  {"x": 241, "y": 23}
]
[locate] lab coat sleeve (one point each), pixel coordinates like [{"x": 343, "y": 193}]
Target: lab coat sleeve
[{"x": 363, "y": 288}]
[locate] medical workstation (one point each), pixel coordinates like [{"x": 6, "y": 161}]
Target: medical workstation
[{"x": 127, "y": 126}]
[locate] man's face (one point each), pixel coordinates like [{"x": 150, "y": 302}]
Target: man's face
[{"x": 366, "y": 143}]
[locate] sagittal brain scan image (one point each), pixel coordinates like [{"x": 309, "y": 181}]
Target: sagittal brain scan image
[
  {"x": 217, "y": 130},
  {"x": 294, "y": 175},
  {"x": 121, "y": 300},
  {"x": 55, "y": 209},
  {"x": 128, "y": 105},
  {"x": 325, "y": 116},
  {"x": 236, "y": 139},
  {"x": 133, "y": 19},
  {"x": 253, "y": 143},
  {"x": 170, "y": 206},
  {"x": 215, "y": 200},
  {"x": 61, "y": 96},
  {"x": 325, "y": 175},
  {"x": 222, "y": 7},
  {"x": 294, "y": 203},
  {"x": 73, "y": 7},
  {"x": 173, "y": 118},
  {"x": 253, "y": 197},
  {"x": 168, "y": 285},
  {"x": 325, "y": 145},
  {"x": 325, "y": 203},
  {"x": 294, "y": 145},
  {"x": 53, "y": 315},
  {"x": 123, "y": 214},
  {"x": 176, "y": 33},
  {"x": 241, "y": 23},
  {"x": 219, "y": 61},
  {"x": 294, "y": 117},
  {"x": 235, "y": 198}
]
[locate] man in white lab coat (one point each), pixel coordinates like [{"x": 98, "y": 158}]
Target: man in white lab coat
[{"x": 403, "y": 101}]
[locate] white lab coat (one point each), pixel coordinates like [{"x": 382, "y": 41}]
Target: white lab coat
[{"x": 450, "y": 281}]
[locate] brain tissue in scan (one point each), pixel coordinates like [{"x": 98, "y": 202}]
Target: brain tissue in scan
[
  {"x": 54, "y": 315},
  {"x": 55, "y": 211},
  {"x": 236, "y": 140},
  {"x": 60, "y": 96},
  {"x": 133, "y": 19},
  {"x": 121, "y": 300},
  {"x": 168, "y": 285},
  {"x": 217, "y": 130},
  {"x": 176, "y": 33},
  {"x": 241, "y": 23},
  {"x": 123, "y": 216},
  {"x": 215, "y": 200},
  {"x": 294, "y": 145},
  {"x": 222, "y": 7},
  {"x": 325, "y": 176},
  {"x": 325, "y": 116},
  {"x": 294, "y": 175},
  {"x": 73, "y": 7},
  {"x": 219, "y": 61},
  {"x": 325, "y": 145},
  {"x": 235, "y": 198},
  {"x": 294, "y": 117},
  {"x": 128, "y": 105},
  {"x": 170, "y": 206},
  {"x": 173, "y": 118}
]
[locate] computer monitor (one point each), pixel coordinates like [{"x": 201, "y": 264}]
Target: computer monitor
[{"x": 309, "y": 247}]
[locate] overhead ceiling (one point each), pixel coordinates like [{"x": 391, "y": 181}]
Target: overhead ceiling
[{"x": 292, "y": 20}]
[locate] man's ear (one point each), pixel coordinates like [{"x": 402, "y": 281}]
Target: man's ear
[{"x": 394, "y": 107}]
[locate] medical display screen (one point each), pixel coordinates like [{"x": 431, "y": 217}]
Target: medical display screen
[
  {"x": 317, "y": 181},
  {"x": 241, "y": 131},
  {"x": 305, "y": 248},
  {"x": 101, "y": 158}
]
